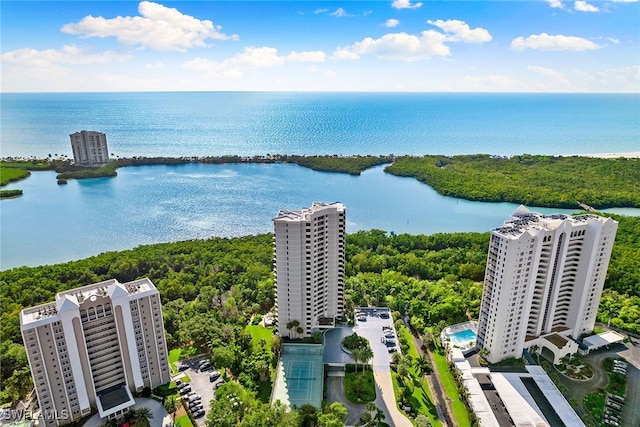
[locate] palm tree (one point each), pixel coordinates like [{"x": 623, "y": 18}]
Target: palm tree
[
  {"x": 141, "y": 417},
  {"x": 262, "y": 368},
  {"x": 378, "y": 417},
  {"x": 172, "y": 404},
  {"x": 423, "y": 365},
  {"x": 356, "y": 355},
  {"x": 371, "y": 407},
  {"x": 366, "y": 355}
]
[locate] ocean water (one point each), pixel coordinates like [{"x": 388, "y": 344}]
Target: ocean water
[
  {"x": 52, "y": 223},
  {"x": 151, "y": 204},
  {"x": 257, "y": 123}
]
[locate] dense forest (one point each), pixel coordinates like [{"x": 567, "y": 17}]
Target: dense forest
[
  {"x": 560, "y": 182},
  {"x": 211, "y": 289}
]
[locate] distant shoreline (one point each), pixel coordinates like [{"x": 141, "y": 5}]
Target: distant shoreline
[{"x": 632, "y": 155}]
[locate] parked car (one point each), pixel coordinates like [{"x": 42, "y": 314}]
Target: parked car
[
  {"x": 392, "y": 349},
  {"x": 195, "y": 406},
  {"x": 199, "y": 414},
  {"x": 214, "y": 376},
  {"x": 178, "y": 383},
  {"x": 384, "y": 315},
  {"x": 185, "y": 390},
  {"x": 183, "y": 367}
]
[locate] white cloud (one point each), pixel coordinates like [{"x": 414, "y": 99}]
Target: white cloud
[
  {"x": 410, "y": 47},
  {"x": 460, "y": 31},
  {"x": 405, "y": 4},
  {"x": 491, "y": 83},
  {"x": 158, "y": 27},
  {"x": 155, "y": 66},
  {"x": 250, "y": 58},
  {"x": 553, "y": 75},
  {"x": 545, "y": 41},
  {"x": 628, "y": 76},
  {"x": 319, "y": 11},
  {"x": 555, "y": 3},
  {"x": 340, "y": 13},
  {"x": 67, "y": 55},
  {"x": 583, "y": 6},
  {"x": 309, "y": 56},
  {"x": 401, "y": 46},
  {"x": 391, "y": 23}
]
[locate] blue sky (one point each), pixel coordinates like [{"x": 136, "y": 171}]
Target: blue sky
[{"x": 395, "y": 45}]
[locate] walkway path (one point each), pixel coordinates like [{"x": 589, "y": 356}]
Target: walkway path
[
  {"x": 386, "y": 400},
  {"x": 441, "y": 401}
]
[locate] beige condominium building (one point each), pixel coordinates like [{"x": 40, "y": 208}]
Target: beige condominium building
[
  {"x": 93, "y": 347},
  {"x": 543, "y": 282},
  {"x": 309, "y": 268},
  {"x": 89, "y": 148}
]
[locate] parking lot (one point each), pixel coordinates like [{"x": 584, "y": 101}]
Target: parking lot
[
  {"x": 369, "y": 324},
  {"x": 200, "y": 384}
]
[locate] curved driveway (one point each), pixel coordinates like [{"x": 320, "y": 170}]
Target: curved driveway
[
  {"x": 371, "y": 329},
  {"x": 160, "y": 416},
  {"x": 577, "y": 389}
]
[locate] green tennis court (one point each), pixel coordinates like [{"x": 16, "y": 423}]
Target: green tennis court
[{"x": 299, "y": 375}]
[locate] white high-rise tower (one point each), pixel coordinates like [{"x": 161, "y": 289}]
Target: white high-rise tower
[
  {"x": 543, "y": 282},
  {"x": 93, "y": 348},
  {"x": 309, "y": 267}
]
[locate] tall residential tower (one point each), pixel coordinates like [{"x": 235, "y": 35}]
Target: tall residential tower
[
  {"x": 89, "y": 148},
  {"x": 309, "y": 267},
  {"x": 543, "y": 282},
  {"x": 93, "y": 347}
]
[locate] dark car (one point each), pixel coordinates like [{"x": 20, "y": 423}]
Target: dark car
[
  {"x": 214, "y": 376},
  {"x": 199, "y": 414},
  {"x": 183, "y": 367}
]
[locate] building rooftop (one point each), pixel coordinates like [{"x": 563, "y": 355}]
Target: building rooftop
[
  {"x": 600, "y": 340},
  {"x": 557, "y": 340},
  {"x": 73, "y": 298},
  {"x": 522, "y": 220},
  {"x": 305, "y": 214}
]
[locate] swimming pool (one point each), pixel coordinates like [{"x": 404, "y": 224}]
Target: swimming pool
[{"x": 462, "y": 338}]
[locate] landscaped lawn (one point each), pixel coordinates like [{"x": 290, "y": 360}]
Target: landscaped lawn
[
  {"x": 450, "y": 388},
  {"x": 259, "y": 332},
  {"x": 360, "y": 387},
  {"x": 421, "y": 397},
  {"x": 183, "y": 421},
  {"x": 174, "y": 356}
]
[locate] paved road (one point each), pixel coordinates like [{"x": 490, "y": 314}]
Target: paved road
[
  {"x": 385, "y": 397},
  {"x": 335, "y": 393},
  {"x": 577, "y": 389},
  {"x": 386, "y": 400}
]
